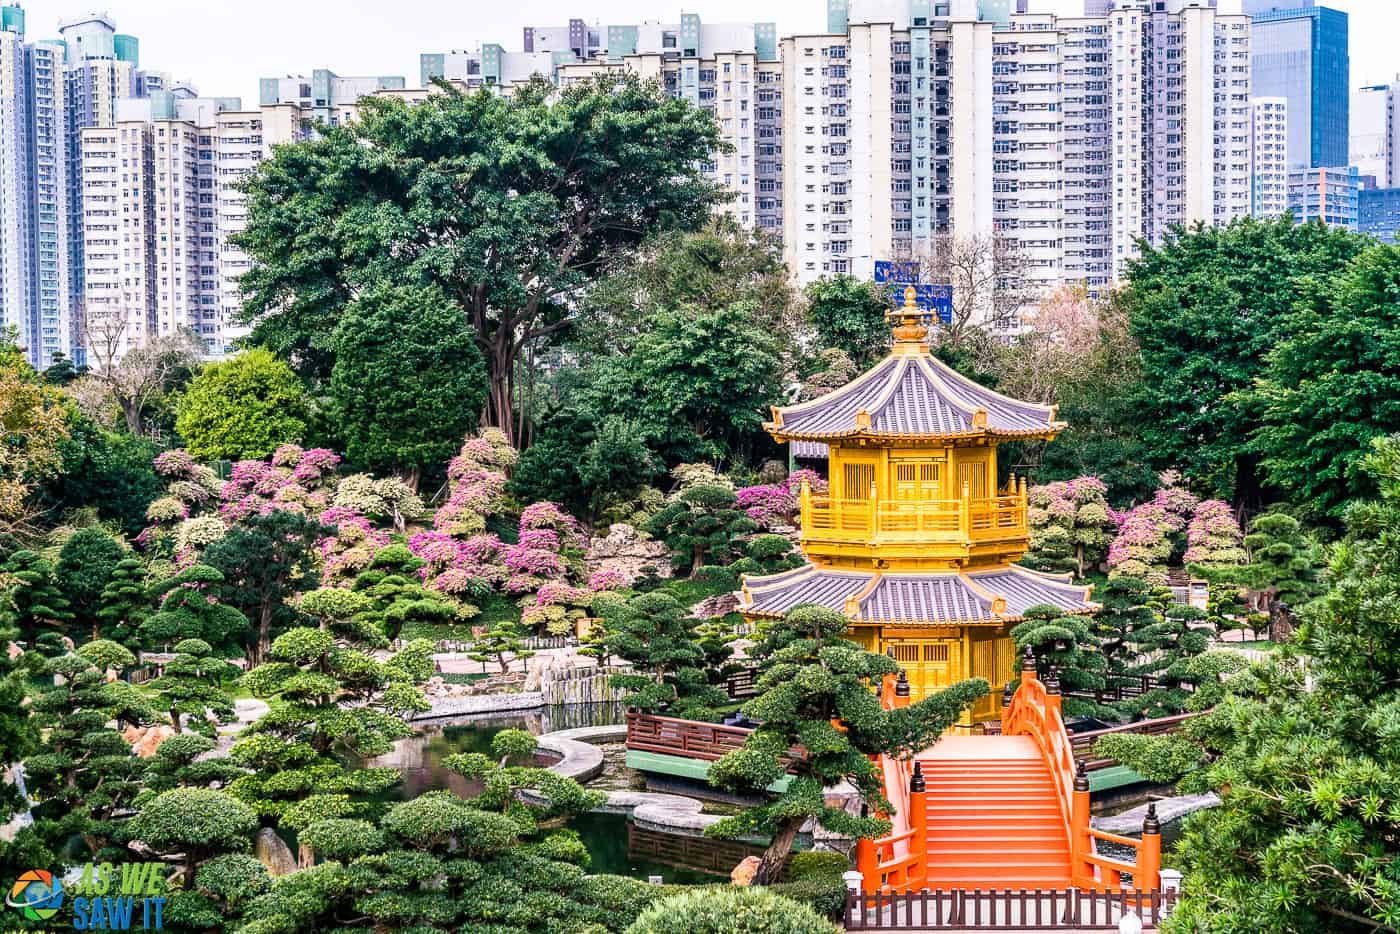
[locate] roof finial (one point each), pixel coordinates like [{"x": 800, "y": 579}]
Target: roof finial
[{"x": 909, "y": 328}]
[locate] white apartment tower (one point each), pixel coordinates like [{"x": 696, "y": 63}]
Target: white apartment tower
[
  {"x": 162, "y": 207},
  {"x": 1270, "y": 158},
  {"x": 1375, "y": 134}
]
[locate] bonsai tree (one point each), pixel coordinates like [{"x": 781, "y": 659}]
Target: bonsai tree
[
  {"x": 125, "y": 601},
  {"x": 176, "y": 764},
  {"x": 499, "y": 644},
  {"x": 503, "y": 783},
  {"x": 1070, "y": 525},
  {"x": 1285, "y": 567},
  {"x": 192, "y": 686},
  {"x": 1067, "y": 646},
  {"x": 1128, "y": 605},
  {"x": 190, "y": 609},
  {"x": 194, "y": 825},
  {"x": 327, "y": 702},
  {"x": 85, "y": 566},
  {"x": 658, "y": 636},
  {"x": 35, "y": 600},
  {"x": 84, "y": 774},
  {"x": 817, "y": 692},
  {"x": 702, "y": 526},
  {"x": 397, "y": 596},
  {"x": 1165, "y": 646},
  {"x": 768, "y": 554}
]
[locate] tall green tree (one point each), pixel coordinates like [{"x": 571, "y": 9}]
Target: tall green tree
[
  {"x": 1206, "y": 307},
  {"x": 849, "y": 314},
  {"x": 720, "y": 264},
  {"x": 696, "y": 383},
  {"x": 408, "y": 381},
  {"x": 242, "y": 408},
  {"x": 1304, "y": 758},
  {"x": 265, "y": 561},
  {"x": 813, "y": 680},
  {"x": 86, "y": 563},
  {"x": 509, "y": 204},
  {"x": 109, "y": 471},
  {"x": 1332, "y": 384}
]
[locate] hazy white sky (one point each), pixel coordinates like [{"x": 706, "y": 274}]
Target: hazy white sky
[{"x": 224, "y": 46}]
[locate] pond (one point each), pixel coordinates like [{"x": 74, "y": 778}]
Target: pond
[{"x": 615, "y": 844}]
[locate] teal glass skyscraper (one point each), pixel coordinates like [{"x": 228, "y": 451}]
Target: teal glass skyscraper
[{"x": 1300, "y": 53}]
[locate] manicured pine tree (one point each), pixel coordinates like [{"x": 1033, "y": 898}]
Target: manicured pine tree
[
  {"x": 125, "y": 602},
  {"x": 190, "y": 609},
  {"x": 177, "y": 764},
  {"x": 702, "y": 526},
  {"x": 1285, "y": 566},
  {"x": 36, "y": 601},
  {"x": 191, "y": 687},
  {"x": 813, "y": 680},
  {"x": 84, "y": 775},
  {"x": 657, "y": 634},
  {"x": 1128, "y": 605},
  {"x": 1067, "y": 646},
  {"x": 499, "y": 644},
  {"x": 191, "y": 826},
  {"x": 1164, "y": 647},
  {"x": 329, "y": 702},
  {"x": 505, "y": 778},
  {"x": 85, "y": 566},
  {"x": 397, "y": 595}
]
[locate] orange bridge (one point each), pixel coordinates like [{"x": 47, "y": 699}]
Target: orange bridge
[{"x": 1004, "y": 812}]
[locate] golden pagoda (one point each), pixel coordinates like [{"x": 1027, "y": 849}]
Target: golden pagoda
[{"x": 914, "y": 542}]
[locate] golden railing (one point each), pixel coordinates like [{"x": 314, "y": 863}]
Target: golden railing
[{"x": 963, "y": 520}]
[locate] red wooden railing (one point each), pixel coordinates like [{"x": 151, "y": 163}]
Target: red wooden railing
[
  {"x": 690, "y": 739},
  {"x": 1035, "y": 712}
]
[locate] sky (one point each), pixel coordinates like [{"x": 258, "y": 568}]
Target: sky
[{"x": 224, "y": 46}]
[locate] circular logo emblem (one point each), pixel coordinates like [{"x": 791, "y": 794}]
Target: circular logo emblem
[{"x": 38, "y": 895}]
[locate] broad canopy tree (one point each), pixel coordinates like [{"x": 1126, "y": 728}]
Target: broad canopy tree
[{"x": 507, "y": 204}]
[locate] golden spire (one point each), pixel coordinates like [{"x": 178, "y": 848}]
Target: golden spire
[{"x": 909, "y": 329}]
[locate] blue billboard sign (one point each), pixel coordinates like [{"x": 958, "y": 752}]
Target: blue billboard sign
[
  {"x": 903, "y": 273},
  {"x": 935, "y": 299}
]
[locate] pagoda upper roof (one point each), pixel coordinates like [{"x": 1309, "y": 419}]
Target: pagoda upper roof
[
  {"x": 912, "y": 394},
  {"x": 933, "y": 598}
]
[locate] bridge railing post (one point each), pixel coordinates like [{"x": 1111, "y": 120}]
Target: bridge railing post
[
  {"x": 867, "y": 860},
  {"x": 1149, "y": 857},
  {"x": 918, "y": 822},
  {"x": 1079, "y": 826}
]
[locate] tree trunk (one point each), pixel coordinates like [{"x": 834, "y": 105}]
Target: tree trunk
[
  {"x": 132, "y": 411},
  {"x": 499, "y": 362},
  {"x": 697, "y": 559},
  {"x": 777, "y": 853},
  {"x": 175, "y": 719},
  {"x": 264, "y": 631}
]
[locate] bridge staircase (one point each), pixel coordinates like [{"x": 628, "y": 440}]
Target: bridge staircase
[{"x": 1007, "y": 811}]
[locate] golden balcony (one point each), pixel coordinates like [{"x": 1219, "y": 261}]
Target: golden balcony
[{"x": 922, "y": 533}]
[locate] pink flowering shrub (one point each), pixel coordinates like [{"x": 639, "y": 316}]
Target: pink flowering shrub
[
  {"x": 1144, "y": 541},
  {"x": 1071, "y": 525},
  {"x": 816, "y": 481},
  {"x": 1213, "y": 536},
  {"x": 768, "y": 504},
  {"x": 476, "y": 483},
  {"x": 606, "y": 578}
]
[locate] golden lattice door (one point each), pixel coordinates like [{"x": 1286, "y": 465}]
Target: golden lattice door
[{"x": 930, "y": 664}]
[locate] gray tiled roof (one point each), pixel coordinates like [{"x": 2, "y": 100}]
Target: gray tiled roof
[
  {"x": 810, "y": 450},
  {"x": 933, "y": 598},
  {"x": 910, "y": 395}
]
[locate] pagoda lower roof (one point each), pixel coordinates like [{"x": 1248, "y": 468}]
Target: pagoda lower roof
[
  {"x": 912, "y": 395},
  {"x": 916, "y": 598}
]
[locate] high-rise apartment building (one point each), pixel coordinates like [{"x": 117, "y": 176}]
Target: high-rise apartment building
[
  {"x": 1378, "y": 213},
  {"x": 1331, "y": 195},
  {"x": 1269, "y": 119},
  {"x": 1300, "y": 54},
  {"x": 161, "y": 205},
  {"x": 325, "y": 97},
  {"x": 50, "y": 90},
  {"x": 1375, "y": 135}
]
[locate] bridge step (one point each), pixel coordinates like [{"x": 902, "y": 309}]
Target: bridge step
[{"x": 993, "y": 816}]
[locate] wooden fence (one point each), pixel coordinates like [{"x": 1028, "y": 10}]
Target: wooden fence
[
  {"x": 1002, "y": 909},
  {"x": 461, "y": 647},
  {"x": 690, "y": 739}
]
